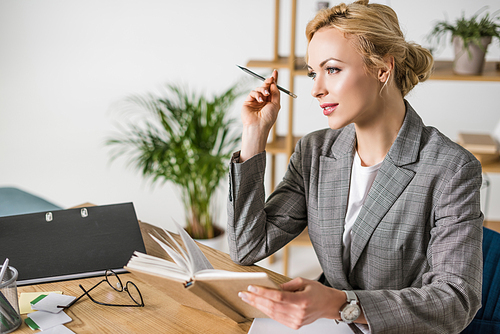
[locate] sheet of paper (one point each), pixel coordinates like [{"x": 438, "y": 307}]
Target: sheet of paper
[
  {"x": 46, "y": 320},
  {"x": 50, "y": 303},
  {"x": 326, "y": 326},
  {"x": 157, "y": 266},
  {"x": 198, "y": 260},
  {"x": 176, "y": 256},
  {"x": 60, "y": 329},
  {"x": 26, "y": 297}
]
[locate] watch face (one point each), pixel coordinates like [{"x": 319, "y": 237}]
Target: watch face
[{"x": 351, "y": 312}]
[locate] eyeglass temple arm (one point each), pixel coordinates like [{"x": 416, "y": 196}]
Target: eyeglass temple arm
[{"x": 85, "y": 292}]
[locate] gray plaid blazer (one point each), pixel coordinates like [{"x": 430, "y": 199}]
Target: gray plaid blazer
[{"x": 416, "y": 257}]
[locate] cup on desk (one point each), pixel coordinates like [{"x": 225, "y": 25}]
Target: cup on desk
[{"x": 9, "y": 307}]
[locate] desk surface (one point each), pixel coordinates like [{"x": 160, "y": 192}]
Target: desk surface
[{"x": 161, "y": 313}]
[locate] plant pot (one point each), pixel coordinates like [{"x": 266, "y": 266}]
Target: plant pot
[
  {"x": 216, "y": 242},
  {"x": 469, "y": 60}
]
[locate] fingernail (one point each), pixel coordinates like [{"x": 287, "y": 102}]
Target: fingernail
[
  {"x": 266, "y": 92},
  {"x": 252, "y": 289},
  {"x": 243, "y": 297},
  {"x": 260, "y": 99}
]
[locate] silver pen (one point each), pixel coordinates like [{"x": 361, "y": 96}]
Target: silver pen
[
  {"x": 260, "y": 77},
  {"x": 4, "y": 269}
]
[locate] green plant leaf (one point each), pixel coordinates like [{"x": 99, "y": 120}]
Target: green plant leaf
[
  {"x": 470, "y": 30},
  {"x": 182, "y": 138}
]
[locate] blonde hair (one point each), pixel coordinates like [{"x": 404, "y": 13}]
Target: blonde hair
[{"x": 376, "y": 34}]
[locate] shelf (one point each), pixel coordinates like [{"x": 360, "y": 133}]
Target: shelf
[
  {"x": 443, "y": 70},
  {"x": 281, "y": 62},
  {"x": 491, "y": 167},
  {"x": 279, "y": 145}
]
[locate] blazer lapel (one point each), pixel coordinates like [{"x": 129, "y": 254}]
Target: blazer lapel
[
  {"x": 334, "y": 178},
  {"x": 391, "y": 180}
]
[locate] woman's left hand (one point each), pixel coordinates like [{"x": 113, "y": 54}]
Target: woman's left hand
[{"x": 300, "y": 302}]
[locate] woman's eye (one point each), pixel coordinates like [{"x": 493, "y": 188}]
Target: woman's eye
[
  {"x": 311, "y": 75},
  {"x": 332, "y": 70}
]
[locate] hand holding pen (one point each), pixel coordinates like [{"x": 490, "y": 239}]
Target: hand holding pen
[{"x": 258, "y": 114}]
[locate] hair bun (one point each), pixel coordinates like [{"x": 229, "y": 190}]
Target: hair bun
[
  {"x": 340, "y": 9},
  {"x": 418, "y": 63}
]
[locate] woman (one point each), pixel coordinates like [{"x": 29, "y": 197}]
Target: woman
[{"x": 392, "y": 205}]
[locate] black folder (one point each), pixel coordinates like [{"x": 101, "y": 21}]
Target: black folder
[{"x": 67, "y": 244}]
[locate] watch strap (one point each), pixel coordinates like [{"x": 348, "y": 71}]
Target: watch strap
[{"x": 350, "y": 296}]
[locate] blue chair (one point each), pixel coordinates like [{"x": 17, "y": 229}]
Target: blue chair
[
  {"x": 14, "y": 201},
  {"x": 487, "y": 319}
]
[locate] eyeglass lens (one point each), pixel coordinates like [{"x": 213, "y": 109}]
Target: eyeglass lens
[
  {"x": 114, "y": 281},
  {"x": 133, "y": 292}
]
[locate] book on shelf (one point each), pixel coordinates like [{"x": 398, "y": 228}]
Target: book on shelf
[{"x": 192, "y": 281}]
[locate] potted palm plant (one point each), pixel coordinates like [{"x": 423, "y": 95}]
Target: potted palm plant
[
  {"x": 183, "y": 138},
  {"x": 470, "y": 38}
]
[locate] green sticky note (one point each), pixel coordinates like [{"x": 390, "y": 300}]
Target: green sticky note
[
  {"x": 37, "y": 299},
  {"x": 31, "y": 324}
]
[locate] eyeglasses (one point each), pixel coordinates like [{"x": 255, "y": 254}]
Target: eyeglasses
[{"x": 114, "y": 282}]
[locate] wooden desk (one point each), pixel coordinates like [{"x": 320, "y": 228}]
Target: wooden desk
[{"x": 161, "y": 314}]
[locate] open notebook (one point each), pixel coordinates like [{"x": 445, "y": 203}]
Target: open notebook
[{"x": 73, "y": 243}]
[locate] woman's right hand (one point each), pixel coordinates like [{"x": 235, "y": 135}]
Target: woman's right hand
[{"x": 258, "y": 114}]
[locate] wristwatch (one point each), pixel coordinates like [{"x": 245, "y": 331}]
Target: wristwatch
[{"x": 351, "y": 311}]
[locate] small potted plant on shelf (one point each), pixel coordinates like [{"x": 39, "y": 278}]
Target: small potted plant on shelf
[
  {"x": 470, "y": 39},
  {"x": 186, "y": 139}
]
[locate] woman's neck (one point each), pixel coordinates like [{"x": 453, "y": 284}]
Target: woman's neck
[{"x": 375, "y": 138}]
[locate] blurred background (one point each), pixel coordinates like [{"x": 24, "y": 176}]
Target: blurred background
[{"x": 64, "y": 65}]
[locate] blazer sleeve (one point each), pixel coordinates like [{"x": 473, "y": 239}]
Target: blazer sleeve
[
  {"x": 256, "y": 228},
  {"x": 450, "y": 294}
]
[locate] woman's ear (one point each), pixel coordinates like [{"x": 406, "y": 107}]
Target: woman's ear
[{"x": 384, "y": 74}]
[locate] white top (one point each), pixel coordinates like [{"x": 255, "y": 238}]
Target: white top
[{"x": 361, "y": 181}]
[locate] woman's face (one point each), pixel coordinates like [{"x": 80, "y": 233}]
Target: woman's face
[{"x": 345, "y": 91}]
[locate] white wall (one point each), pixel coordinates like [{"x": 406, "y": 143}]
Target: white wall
[{"x": 64, "y": 64}]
